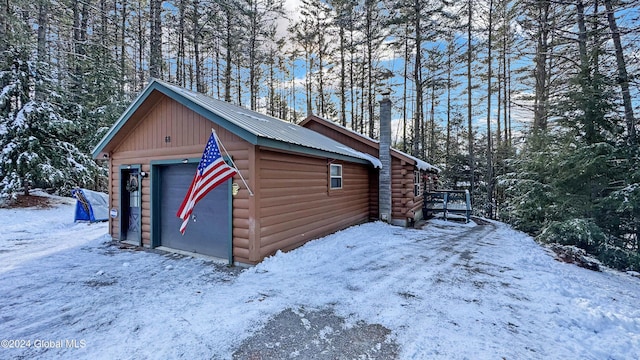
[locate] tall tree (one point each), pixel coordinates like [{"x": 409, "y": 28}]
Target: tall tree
[
  {"x": 542, "y": 9},
  {"x": 230, "y": 43},
  {"x": 305, "y": 36},
  {"x": 623, "y": 77},
  {"x": 470, "y": 137},
  {"x": 155, "y": 43},
  {"x": 261, "y": 16},
  {"x": 342, "y": 19},
  {"x": 197, "y": 35},
  {"x": 35, "y": 137},
  {"x": 489, "y": 179}
]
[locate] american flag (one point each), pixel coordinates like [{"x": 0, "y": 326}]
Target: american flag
[{"x": 212, "y": 171}]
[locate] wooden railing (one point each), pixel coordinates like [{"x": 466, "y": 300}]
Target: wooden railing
[{"x": 447, "y": 202}]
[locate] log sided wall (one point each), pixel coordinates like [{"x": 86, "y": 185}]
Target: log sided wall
[
  {"x": 405, "y": 206},
  {"x": 296, "y": 204}
]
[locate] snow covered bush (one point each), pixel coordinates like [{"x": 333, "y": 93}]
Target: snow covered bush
[
  {"x": 619, "y": 258},
  {"x": 566, "y": 191},
  {"x": 582, "y": 233},
  {"x": 586, "y": 234}
]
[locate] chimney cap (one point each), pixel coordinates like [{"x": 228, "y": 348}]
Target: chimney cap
[{"x": 385, "y": 92}]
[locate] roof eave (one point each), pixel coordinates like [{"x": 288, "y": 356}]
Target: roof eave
[
  {"x": 358, "y": 137},
  {"x": 279, "y": 145}
]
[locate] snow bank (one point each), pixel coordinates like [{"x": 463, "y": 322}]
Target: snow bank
[{"x": 449, "y": 291}]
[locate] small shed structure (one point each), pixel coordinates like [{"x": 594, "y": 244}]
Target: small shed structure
[
  {"x": 305, "y": 184},
  {"x": 408, "y": 173}
]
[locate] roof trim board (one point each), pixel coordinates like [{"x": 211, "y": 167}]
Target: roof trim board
[{"x": 420, "y": 164}]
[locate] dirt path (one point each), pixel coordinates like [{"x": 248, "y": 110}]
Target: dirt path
[
  {"x": 317, "y": 335},
  {"x": 321, "y": 334}
]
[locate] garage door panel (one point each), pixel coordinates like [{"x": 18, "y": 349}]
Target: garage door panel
[{"x": 209, "y": 229}]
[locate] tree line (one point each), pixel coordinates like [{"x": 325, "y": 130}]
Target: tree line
[{"x": 530, "y": 104}]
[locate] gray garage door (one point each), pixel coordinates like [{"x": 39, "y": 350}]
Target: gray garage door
[{"x": 210, "y": 233}]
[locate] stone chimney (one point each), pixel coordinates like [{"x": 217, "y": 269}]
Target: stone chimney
[{"x": 384, "y": 182}]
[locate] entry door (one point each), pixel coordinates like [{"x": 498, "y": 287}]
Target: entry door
[
  {"x": 209, "y": 228},
  {"x": 131, "y": 209}
]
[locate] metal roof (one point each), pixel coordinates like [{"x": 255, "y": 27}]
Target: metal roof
[
  {"x": 258, "y": 129},
  {"x": 420, "y": 164}
]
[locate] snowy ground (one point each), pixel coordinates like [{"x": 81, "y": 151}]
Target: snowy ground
[{"x": 449, "y": 291}]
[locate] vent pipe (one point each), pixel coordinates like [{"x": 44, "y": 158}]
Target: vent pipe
[{"x": 384, "y": 182}]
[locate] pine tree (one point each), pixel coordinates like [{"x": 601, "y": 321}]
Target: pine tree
[{"x": 36, "y": 139}]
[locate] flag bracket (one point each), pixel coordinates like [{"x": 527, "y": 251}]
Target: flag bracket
[{"x": 232, "y": 163}]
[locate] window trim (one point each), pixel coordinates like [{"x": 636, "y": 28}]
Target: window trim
[
  {"x": 331, "y": 177},
  {"x": 418, "y": 190}
]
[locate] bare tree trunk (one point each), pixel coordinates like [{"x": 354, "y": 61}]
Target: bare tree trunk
[
  {"x": 309, "y": 62},
  {"x": 141, "y": 44},
  {"x": 506, "y": 73},
  {"x": 404, "y": 88},
  {"x": 321, "y": 50},
  {"x": 509, "y": 136},
  {"x": 218, "y": 78},
  {"x": 180, "y": 60},
  {"x": 417, "y": 73},
  {"x": 489, "y": 142},
  {"x": 293, "y": 87},
  {"x": 4, "y": 20},
  {"x": 369, "y": 41},
  {"x": 343, "y": 87},
  {"x": 104, "y": 26},
  {"x": 582, "y": 36},
  {"x": 472, "y": 161},
  {"x": 123, "y": 27},
  {"x": 354, "y": 123},
  {"x": 239, "y": 77},
  {"x": 623, "y": 78},
  {"x": 432, "y": 124},
  {"x": 450, "y": 53},
  {"x": 498, "y": 108},
  {"x": 271, "y": 108},
  {"x": 155, "y": 51},
  {"x": 362, "y": 93},
  {"x": 43, "y": 23},
  {"x": 253, "y": 45},
  {"x": 77, "y": 45},
  {"x": 228, "y": 57},
  {"x": 196, "y": 48},
  {"x": 540, "y": 102}
]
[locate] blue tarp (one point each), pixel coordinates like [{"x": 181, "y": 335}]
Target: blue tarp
[{"x": 91, "y": 205}]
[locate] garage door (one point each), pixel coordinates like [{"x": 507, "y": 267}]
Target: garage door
[{"x": 210, "y": 233}]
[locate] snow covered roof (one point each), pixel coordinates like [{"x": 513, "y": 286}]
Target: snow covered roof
[
  {"x": 420, "y": 164},
  {"x": 256, "y": 128}
]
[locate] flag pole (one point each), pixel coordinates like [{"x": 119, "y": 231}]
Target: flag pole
[{"x": 231, "y": 159}]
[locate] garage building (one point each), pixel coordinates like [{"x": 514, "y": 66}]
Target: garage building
[{"x": 305, "y": 185}]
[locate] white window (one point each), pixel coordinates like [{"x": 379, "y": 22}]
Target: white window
[
  {"x": 335, "y": 172},
  {"x": 417, "y": 183}
]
